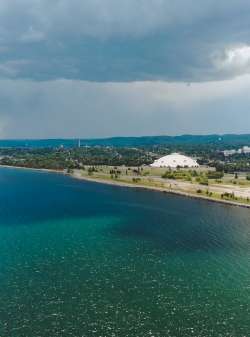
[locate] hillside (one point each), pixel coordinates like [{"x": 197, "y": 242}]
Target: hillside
[{"x": 228, "y": 140}]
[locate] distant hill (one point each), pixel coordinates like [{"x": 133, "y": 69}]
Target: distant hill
[{"x": 227, "y": 140}]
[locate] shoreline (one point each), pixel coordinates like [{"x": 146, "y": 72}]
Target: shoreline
[
  {"x": 161, "y": 189},
  {"x": 74, "y": 175},
  {"x": 34, "y": 169}
]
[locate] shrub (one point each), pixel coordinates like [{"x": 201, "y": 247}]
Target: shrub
[
  {"x": 218, "y": 181},
  {"x": 193, "y": 173},
  {"x": 228, "y": 195},
  {"x": 168, "y": 175},
  {"x": 215, "y": 174},
  {"x": 202, "y": 180}
]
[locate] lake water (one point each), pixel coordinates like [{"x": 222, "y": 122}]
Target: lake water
[{"x": 86, "y": 259}]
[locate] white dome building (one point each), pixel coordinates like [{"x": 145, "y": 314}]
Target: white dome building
[{"x": 175, "y": 160}]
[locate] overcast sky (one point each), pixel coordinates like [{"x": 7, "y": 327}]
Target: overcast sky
[{"x": 98, "y": 68}]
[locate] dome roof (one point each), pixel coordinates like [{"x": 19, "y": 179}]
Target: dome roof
[{"x": 175, "y": 160}]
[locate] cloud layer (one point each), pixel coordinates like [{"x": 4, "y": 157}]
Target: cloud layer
[
  {"x": 92, "y": 68},
  {"x": 111, "y": 40}
]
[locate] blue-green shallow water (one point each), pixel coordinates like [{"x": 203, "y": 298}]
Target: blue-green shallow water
[{"x": 85, "y": 259}]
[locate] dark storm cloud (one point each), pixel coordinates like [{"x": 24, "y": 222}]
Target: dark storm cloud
[
  {"x": 93, "y": 68},
  {"x": 111, "y": 40}
]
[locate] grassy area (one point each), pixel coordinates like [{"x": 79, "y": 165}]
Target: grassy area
[{"x": 202, "y": 175}]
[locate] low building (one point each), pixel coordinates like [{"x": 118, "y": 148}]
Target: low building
[
  {"x": 175, "y": 160},
  {"x": 243, "y": 150},
  {"x": 228, "y": 153},
  {"x": 246, "y": 149}
]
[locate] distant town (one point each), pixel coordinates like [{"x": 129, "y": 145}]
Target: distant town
[{"x": 230, "y": 153}]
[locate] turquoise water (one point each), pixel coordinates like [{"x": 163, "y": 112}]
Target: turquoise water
[{"x": 85, "y": 259}]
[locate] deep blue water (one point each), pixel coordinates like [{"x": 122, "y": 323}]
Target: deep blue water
[{"x": 86, "y": 259}]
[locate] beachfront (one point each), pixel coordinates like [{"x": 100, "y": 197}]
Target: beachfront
[{"x": 227, "y": 190}]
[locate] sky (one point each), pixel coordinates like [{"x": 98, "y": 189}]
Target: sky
[{"x": 102, "y": 68}]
